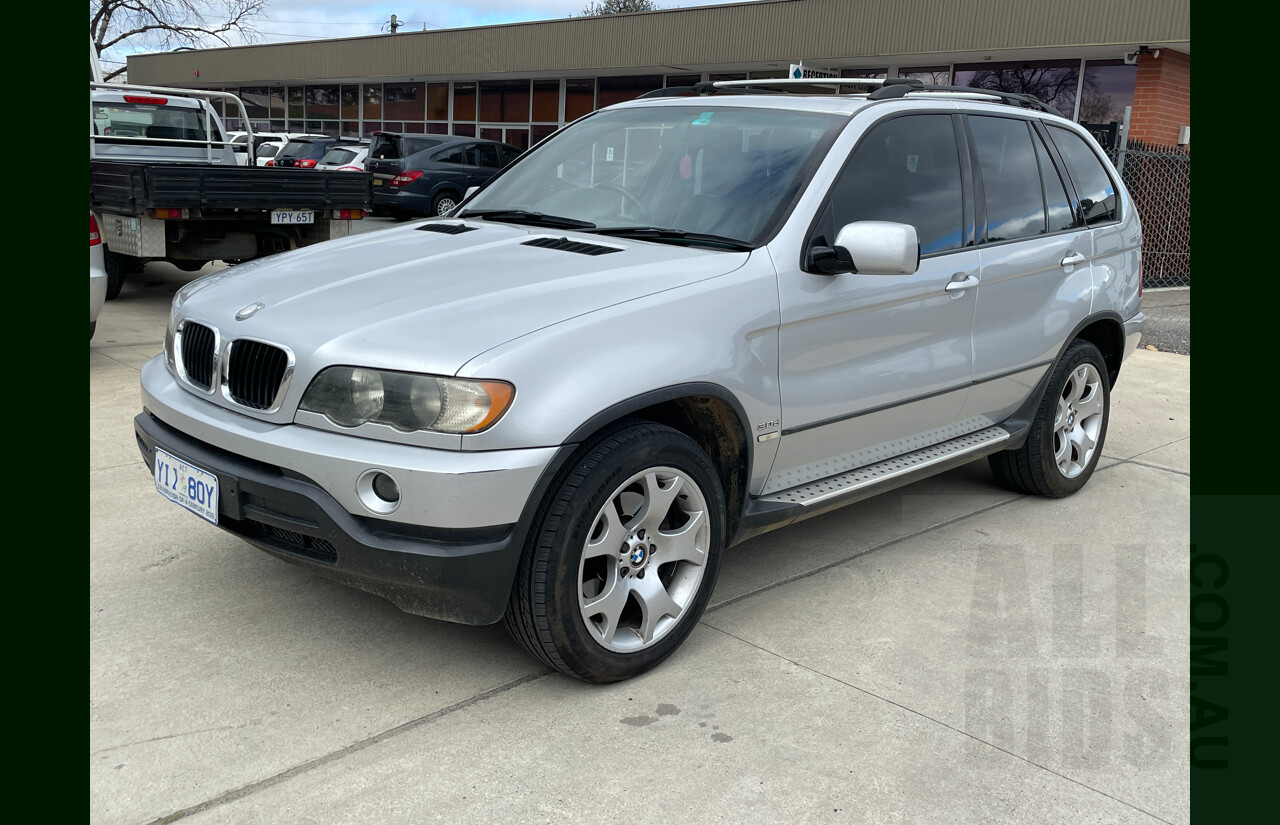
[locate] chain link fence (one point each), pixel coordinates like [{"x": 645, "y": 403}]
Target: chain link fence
[{"x": 1159, "y": 181}]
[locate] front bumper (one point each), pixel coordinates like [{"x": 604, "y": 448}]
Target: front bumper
[
  {"x": 1133, "y": 334},
  {"x": 456, "y": 575},
  {"x": 448, "y": 552}
]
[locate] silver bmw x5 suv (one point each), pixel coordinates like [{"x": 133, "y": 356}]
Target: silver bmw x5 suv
[{"x": 676, "y": 324}]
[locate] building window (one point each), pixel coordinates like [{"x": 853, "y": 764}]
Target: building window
[
  {"x": 537, "y": 134},
  {"x": 405, "y": 101},
  {"x": 322, "y": 102},
  {"x": 546, "y": 101},
  {"x": 350, "y": 102},
  {"x": 257, "y": 101},
  {"x": 1051, "y": 81},
  {"x": 620, "y": 89},
  {"x": 855, "y": 72},
  {"x": 277, "y": 103},
  {"x": 932, "y": 75},
  {"x": 1106, "y": 92},
  {"x": 683, "y": 79},
  {"x": 373, "y": 101},
  {"x": 295, "y": 96},
  {"x": 579, "y": 98},
  {"x": 504, "y": 101},
  {"x": 438, "y": 101},
  {"x": 464, "y": 104}
]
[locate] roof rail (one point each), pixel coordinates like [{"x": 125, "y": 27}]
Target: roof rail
[
  {"x": 888, "y": 89},
  {"x": 705, "y": 88},
  {"x": 900, "y": 87}
]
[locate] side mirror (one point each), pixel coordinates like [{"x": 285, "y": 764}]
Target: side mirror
[
  {"x": 868, "y": 248},
  {"x": 880, "y": 247}
]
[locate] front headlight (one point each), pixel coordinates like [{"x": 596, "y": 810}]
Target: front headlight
[{"x": 351, "y": 396}]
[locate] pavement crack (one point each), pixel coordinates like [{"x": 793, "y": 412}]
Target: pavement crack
[
  {"x": 939, "y": 722},
  {"x": 170, "y": 736},
  {"x": 342, "y": 753},
  {"x": 822, "y": 569}
]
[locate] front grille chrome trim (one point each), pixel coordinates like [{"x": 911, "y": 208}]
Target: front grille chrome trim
[
  {"x": 179, "y": 357},
  {"x": 282, "y": 388}
]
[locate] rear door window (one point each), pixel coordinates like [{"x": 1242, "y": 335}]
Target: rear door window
[
  {"x": 1094, "y": 187},
  {"x": 485, "y": 154},
  {"x": 1010, "y": 177},
  {"x": 454, "y": 154}
]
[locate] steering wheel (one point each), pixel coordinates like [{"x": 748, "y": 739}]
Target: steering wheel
[{"x": 641, "y": 212}]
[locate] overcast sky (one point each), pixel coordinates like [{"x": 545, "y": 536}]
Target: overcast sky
[{"x": 293, "y": 20}]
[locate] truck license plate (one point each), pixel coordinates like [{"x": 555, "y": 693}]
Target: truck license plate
[
  {"x": 293, "y": 216},
  {"x": 187, "y": 485}
]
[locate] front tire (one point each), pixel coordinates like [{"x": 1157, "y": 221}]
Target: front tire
[
  {"x": 1070, "y": 426},
  {"x": 623, "y": 555}
]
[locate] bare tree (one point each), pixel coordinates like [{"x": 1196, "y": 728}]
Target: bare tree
[
  {"x": 1055, "y": 86},
  {"x": 167, "y": 24},
  {"x": 599, "y": 7}
]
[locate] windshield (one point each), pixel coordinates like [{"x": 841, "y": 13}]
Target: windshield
[{"x": 730, "y": 172}]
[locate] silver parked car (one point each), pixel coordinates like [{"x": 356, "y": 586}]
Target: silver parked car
[
  {"x": 676, "y": 324},
  {"x": 97, "y": 275}
]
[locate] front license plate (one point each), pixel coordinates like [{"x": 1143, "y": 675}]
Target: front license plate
[
  {"x": 187, "y": 485},
  {"x": 293, "y": 216}
]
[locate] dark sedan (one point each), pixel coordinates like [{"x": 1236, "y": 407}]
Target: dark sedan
[{"x": 432, "y": 180}]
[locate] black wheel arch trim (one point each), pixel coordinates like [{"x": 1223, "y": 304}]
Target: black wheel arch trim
[
  {"x": 1019, "y": 424},
  {"x": 658, "y": 396}
]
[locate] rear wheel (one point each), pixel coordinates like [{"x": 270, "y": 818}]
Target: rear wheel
[
  {"x": 444, "y": 203},
  {"x": 117, "y": 267},
  {"x": 1066, "y": 438},
  {"x": 623, "y": 555}
]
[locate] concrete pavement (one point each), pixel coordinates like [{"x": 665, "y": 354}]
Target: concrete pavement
[{"x": 948, "y": 652}]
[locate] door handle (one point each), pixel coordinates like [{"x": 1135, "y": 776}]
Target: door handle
[
  {"x": 969, "y": 282},
  {"x": 1072, "y": 258}
]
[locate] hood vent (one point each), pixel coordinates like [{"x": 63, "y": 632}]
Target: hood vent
[
  {"x": 447, "y": 228},
  {"x": 566, "y": 245}
]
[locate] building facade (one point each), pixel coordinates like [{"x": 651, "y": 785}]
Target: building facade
[{"x": 1123, "y": 69}]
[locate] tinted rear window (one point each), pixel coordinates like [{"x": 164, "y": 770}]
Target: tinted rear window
[
  {"x": 338, "y": 155},
  {"x": 153, "y": 121},
  {"x": 1097, "y": 194},
  {"x": 411, "y": 145},
  {"x": 295, "y": 149},
  {"x": 1010, "y": 176}
]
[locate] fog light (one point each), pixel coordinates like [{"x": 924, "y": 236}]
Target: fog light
[
  {"x": 378, "y": 492},
  {"x": 385, "y": 488}
]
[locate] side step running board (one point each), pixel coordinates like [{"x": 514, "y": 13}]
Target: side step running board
[{"x": 911, "y": 464}]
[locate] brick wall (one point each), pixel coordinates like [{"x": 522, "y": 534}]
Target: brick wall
[{"x": 1161, "y": 97}]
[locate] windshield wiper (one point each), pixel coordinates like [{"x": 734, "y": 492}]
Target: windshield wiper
[
  {"x": 657, "y": 233},
  {"x": 527, "y": 217}
]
